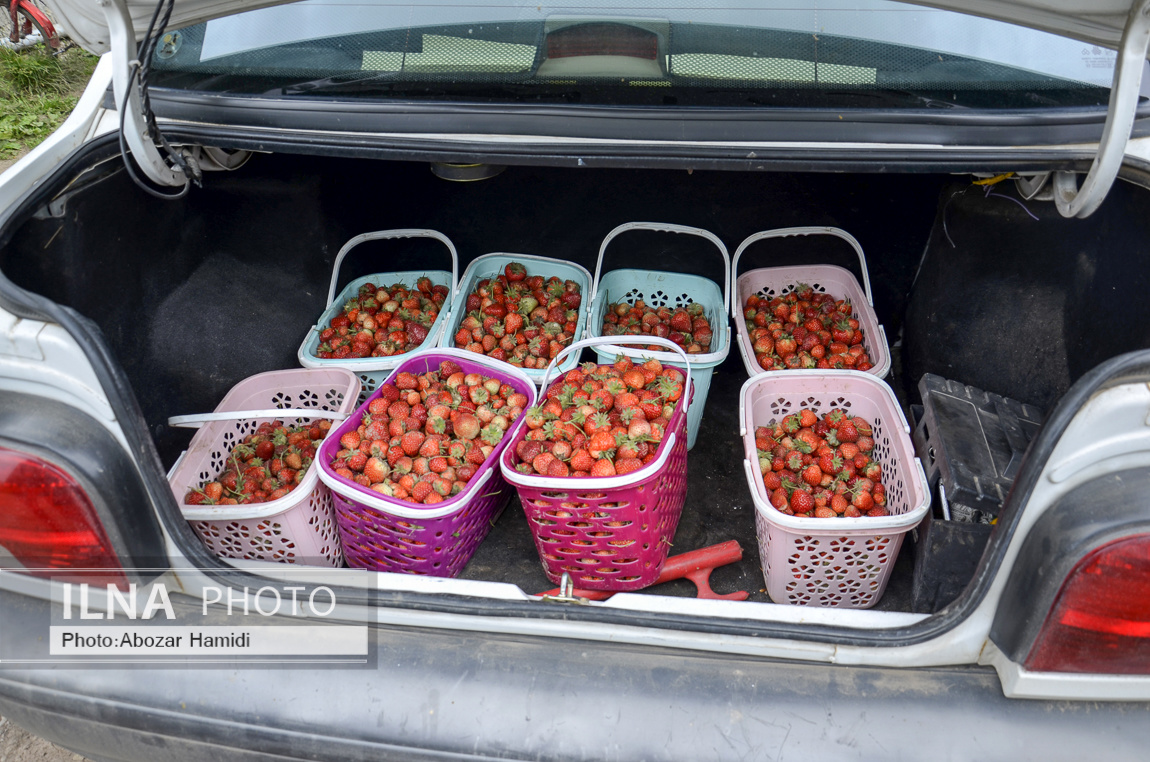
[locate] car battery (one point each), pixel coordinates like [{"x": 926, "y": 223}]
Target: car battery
[{"x": 971, "y": 444}]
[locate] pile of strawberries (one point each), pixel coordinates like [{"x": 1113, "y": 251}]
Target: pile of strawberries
[
  {"x": 821, "y": 467},
  {"x": 805, "y": 329},
  {"x": 686, "y": 326},
  {"x": 600, "y": 420},
  {"x": 382, "y": 321},
  {"x": 266, "y": 465},
  {"x": 425, "y": 437},
  {"x": 521, "y": 319}
]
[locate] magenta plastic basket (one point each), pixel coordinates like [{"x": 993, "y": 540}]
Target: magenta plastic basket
[
  {"x": 386, "y": 534},
  {"x": 841, "y": 562},
  {"x": 607, "y": 533},
  {"x": 836, "y": 281},
  {"x": 299, "y": 527}
]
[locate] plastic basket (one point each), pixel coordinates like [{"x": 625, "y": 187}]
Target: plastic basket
[
  {"x": 297, "y": 528},
  {"x": 607, "y": 533},
  {"x": 386, "y": 534},
  {"x": 836, "y": 281},
  {"x": 663, "y": 289},
  {"x": 372, "y": 370},
  {"x": 491, "y": 266},
  {"x": 840, "y": 562}
]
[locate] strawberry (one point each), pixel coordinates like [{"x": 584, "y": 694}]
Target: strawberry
[
  {"x": 627, "y": 465},
  {"x": 603, "y": 467},
  {"x": 625, "y": 319},
  {"x": 542, "y": 463},
  {"x": 467, "y": 426},
  {"x": 421, "y": 491},
  {"x": 411, "y": 442},
  {"x": 376, "y": 470},
  {"x": 862, "y": 500},
  {"x": 802, "y": 502},
  {"x": 581, "y": 460}
]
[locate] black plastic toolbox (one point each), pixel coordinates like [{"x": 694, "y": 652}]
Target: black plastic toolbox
[{"x": 971, "y": 444}]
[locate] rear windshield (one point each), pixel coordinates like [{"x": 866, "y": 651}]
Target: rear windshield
[{"x": 851, "y": 53}]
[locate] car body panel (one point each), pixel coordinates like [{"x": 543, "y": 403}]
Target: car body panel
[
  {"x": 428, "y": 694},
  {"x": 471, "y": 669}
]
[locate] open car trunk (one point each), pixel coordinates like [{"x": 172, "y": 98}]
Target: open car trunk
[{"x": 970, "y": 282}]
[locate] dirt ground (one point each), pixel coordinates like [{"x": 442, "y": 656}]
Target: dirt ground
[{"x": 17, "y": 745}]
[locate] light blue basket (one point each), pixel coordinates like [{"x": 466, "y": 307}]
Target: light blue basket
[
  {"x": 491, "y": 266},
  {"x": 663, "y": 289},
  {"x": 373, "y": 370}
]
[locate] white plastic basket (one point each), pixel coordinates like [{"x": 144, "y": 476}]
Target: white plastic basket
[
  {"x": 665, "y": 289},
  {"x": 840, "y": 562},
  {"x": 372, "y": 370},
  {"x": 836, "y": 281},
  {"x": 300, "y": 526}
]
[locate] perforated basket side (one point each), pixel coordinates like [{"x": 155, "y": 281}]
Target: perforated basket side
[
  {"x": 610, "y": 539},
  {"x": 304, "y": 533},
  {"x": 842, "y": 562},
  {"x": 845, "y": 569},
  {"x": 770, "y": 282},
  {"x": 440, "y": 547},
  {"x": 608, "y": 533},
  {"x": 299, "y": 526}
]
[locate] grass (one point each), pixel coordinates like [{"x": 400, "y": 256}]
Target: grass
[{"x": 37, "y": 92}]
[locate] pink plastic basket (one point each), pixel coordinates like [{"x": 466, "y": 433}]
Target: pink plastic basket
[
  {"x": 836, "y": 281},
  {"x": 299, "y": 527},
  {"x": 610, "y": 533},
  {"x": 386, "y": 534},
  {"x": 840, "y": 562}
]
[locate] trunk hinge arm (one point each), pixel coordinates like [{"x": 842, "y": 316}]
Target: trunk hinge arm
[
  {"x": 1071, "y": 200},
  {"x": 122, "y": 40}
]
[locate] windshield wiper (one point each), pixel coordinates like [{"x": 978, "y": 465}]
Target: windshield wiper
[
  {"x": 882, "y": 98},
  {"x": 387, "y": 84},
  {"x": 360, "y": 82}
]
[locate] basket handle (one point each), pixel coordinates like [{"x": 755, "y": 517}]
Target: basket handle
[
  {"x": 666, "y": 227},
  {"x": 599, "y": 341},
  {"x": 199, "y": 419},
  {"x": 789, "y": 232},
  {"x": 399, "y": 233}
]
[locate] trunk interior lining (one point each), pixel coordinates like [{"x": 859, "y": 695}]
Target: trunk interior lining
[{"x": 196, "y": 295}]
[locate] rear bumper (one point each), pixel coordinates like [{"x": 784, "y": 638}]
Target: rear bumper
[{"x": 430, "y": 694}]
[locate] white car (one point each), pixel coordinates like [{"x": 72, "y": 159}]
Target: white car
[{"x": 179, "y": 234}]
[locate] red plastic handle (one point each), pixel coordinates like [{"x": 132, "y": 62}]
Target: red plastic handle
[{"x": 695, "y": 565}]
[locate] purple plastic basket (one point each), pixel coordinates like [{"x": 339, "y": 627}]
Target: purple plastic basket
[
  {"x": 386, "y": 534},
  {"x": 608, "y": 533}
]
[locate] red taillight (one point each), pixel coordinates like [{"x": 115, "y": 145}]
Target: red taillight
[
  {"x": 1100, "y": 621},
  {"x": 48, "y": 523},
  {"x": 602, "y": 40}
]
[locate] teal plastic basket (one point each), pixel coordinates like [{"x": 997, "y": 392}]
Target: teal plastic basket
[
  {"x": 373, "y": 370},
  {"x": 664, "y": 289},
  {"x": 491, "y": 266}
]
